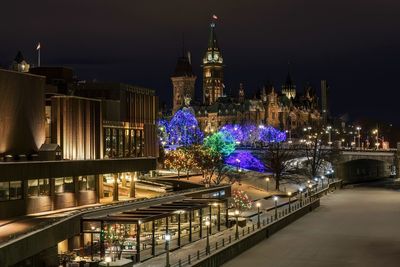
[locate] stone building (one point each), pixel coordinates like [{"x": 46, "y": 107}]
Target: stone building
[{"x": 288, "y": 109}]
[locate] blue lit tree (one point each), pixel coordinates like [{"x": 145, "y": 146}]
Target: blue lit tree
[
  {"x": 245, "y": 160},
  {"x": 163, "y": 131},
  {"x": 235, "y": 130},
  {"x": 269, "y": 134},
  {"x": 183, "y": 129}
]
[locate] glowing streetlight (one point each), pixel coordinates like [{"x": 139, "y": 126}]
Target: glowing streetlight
[
  {"x": 290, "y": 196},
  {"x": 258, "y": 204},
  {"x": 237, "y": 224},
  {"x": 167, "y": 240},
  {"x": 208, "y": 237},
  {"x": 276, "y": 207},
  {"x": 267, "y": 180}
]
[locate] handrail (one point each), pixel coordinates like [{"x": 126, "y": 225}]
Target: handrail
[{"x": 203, "y": 253}]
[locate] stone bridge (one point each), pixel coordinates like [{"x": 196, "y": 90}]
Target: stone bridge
[{"x": 358, "y": 166}]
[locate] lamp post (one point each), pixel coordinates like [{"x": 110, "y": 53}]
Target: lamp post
[
  {"x": 290, "y": 196},
  {"x": 258, "y": 214},
  {"x": 237, "y": 224},
  {"x": 309, "y": 191},
  {"x": 276, "y": 207},
  {"x": 359, "y": 137},
  {"x": 376, "y": 132},
  {"x": 301, "y": 196},
  {"x": 218, "y": 216},
  {"x": 316, "y": 181},
  {"x": 267, "y": 180},
  {"x": 238, "y": 165},
  {"x": 167, "y": 240},
  {"x": 208, "y": 238}
]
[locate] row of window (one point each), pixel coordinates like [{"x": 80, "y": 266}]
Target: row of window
[
  {"x": 120, "y": 143},
  {"x": 41, "y": 187}
]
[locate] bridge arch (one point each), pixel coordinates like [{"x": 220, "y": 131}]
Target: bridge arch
[{"x": 363, "y": 169}]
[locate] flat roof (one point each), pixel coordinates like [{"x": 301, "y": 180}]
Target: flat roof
[{"x": 155, "y": 212}]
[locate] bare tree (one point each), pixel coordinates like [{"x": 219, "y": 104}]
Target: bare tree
[
  {"x": 316, "y": 151},
  {"x": 275, "y": 159}
]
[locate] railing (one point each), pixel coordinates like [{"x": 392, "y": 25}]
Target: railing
[{"x": 268, "y": 220}]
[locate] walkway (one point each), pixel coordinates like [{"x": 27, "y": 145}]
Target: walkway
[{"x": 357, "y": 227}]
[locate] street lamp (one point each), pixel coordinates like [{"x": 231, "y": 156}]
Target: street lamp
[
  {"x": 316, "y": 181},
  {"x": 309, "y": 191},
  {"x": 258, "y": 214},
  {"x": 276, "y": 207},
  {"x": 301, "y": 196},
  {"x": 359, "y": 136},
  {"x": 238, "y": 165},
  {"x": 289, "y": 195},
  {"x": 167, "y": 240},
  {"x": 267, "y": 180},
  {"x": 237, "y": 224},
  {"x": 208, "y": 238}
]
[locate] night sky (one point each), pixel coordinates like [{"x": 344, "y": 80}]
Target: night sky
[{"x": 353, "y": 44}]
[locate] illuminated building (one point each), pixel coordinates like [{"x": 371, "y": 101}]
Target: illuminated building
[
  {"x": 183, "y": 81},
  {"x": 213, "y": 70}
]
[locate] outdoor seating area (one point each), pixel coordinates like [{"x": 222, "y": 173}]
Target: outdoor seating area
[{"x": 139, "y": 234}]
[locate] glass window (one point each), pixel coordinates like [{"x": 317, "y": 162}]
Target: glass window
[
  {"x": 4, "y": 190},
  {"x": 63, "y": 185},
  {"x": 87, "y": 183},
  {"x": 38, "y": 187},
  {"x": 33, "y": 188},
  {"x": 15, "y": 190}
]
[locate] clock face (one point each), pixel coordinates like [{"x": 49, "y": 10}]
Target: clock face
[
  {"x": 209, "y": 56},
  {"x": 216, "y": 56}
]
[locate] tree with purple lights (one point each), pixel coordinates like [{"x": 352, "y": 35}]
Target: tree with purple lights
[
  {"x": 245, "y": 160},
  {"x": 183, "y": 129},
  {"x": 269, "y": 134},
  {"x": 235, "y": 131}
]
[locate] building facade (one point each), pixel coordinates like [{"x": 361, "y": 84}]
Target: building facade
[
  {"x": 213, "y": 70},
  {"x": 60, "y": 151},
  {"x": 288, "y": 109}
]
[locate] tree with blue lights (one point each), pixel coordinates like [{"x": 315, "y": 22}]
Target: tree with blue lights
[{"x": 183, "y": 129}]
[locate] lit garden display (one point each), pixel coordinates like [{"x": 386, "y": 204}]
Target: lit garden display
[
  {"x": 182, "y": 130},
  {"x": 221, "y": 142},
  {"x": 245, "y": 160},
  {"x": 241, "y": 200}
]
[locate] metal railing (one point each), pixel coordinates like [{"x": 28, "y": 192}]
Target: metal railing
[{"x": 282, "y": 212}]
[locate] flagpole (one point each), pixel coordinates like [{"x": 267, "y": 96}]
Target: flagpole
[
  {"x": 39, "y": 57},
  {"x": 38, "y": 47}
]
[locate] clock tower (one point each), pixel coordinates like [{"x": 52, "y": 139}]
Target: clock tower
[{"x": 213, "y": 70}]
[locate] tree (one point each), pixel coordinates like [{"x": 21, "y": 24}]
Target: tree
[
  {"x": 221, "y": 142},
  {"x": 241, "y": 200},
  {"x": 175, "y": 160},
  {"x": 316, "y": 153},
  {"x": 183, "y": 129},
  {"x": 275, "y": 155},
  {"x": 188, "y": 163},
  {"x": 116, "y": 235},
  {"x": 275, "y": 160}
]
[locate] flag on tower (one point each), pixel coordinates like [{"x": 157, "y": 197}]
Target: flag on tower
[
  {"x": 214, "y": 16},
  {"x": 38, "y": 46}
]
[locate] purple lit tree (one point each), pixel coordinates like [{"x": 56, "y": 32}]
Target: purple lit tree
[
  {"x": 184, "y": 129},
  {"x": 269, "y": 134},
  {"x": 235, "y": 131},
  {"x": 245, "y": 160}
]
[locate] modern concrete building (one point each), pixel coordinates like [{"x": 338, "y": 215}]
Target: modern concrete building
[{"x": 102, "y": 142}]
